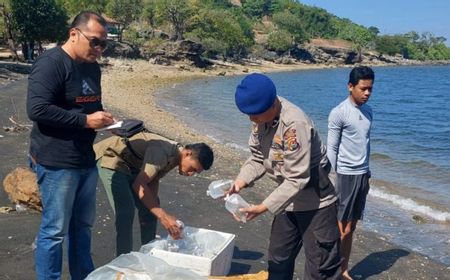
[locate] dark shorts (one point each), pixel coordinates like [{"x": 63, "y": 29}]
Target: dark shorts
[{"x": 352, "y": 191}]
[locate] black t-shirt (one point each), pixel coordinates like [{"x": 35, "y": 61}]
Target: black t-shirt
[{"x": 61, "y": 92}]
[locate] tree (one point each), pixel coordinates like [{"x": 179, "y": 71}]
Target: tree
[
  {"x": 74, "y": 7},
  {"x": 149, "y": 12},
  {"x": 46, "y": 21},
  {"x": 279, "y": 41},
  {"x": 391, "y": 44},
  {"x": 177, "y": 12},
  {"x": 316, "y": 22},
  {"x": 125, "y": 11},
  {"x": 292, "y": 24},
  {"x": 374, "y": 30},
  {"x": 221, "y": 32},
  {"x": 256, "y": 8},
  {"x": 360, "y": 36},
  {"x": 8, "y": 29}
]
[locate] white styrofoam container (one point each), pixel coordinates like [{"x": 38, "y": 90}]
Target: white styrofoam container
[{"x": 218, "y": 265}]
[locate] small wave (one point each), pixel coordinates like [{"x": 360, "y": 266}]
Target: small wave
[
  {"x": 411, "y": 205},
  {"x": 378, "y": 156},
  {"x": 237, "y": 146}
]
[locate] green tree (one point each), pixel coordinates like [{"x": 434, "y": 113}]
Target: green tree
[
  {"x": 125, "y": 11},
  {"x": 374, "y": 30},
  {"x": 391, "y": 44},
  {"x": 279, "y": 41},
  {"x": 316, "y": 22},
  {"x": 439, "y": 52},
  {"x": 149, "y": 12},
  {"x": 222, "y": 32},
  {"x": 45, "y": 21},
  {"x": 292, "y": 24},
  {"x": 177, "y": 12},
  {"x": 74, "y": 7},
  {"x": 360, "y": 36},
  {"x": 256, "y": 8},
  {"x": 8, "y": 32}
]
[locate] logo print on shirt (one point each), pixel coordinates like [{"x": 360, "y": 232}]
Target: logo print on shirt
[
  {"x": 360, "y": 118},
  {"x": 86, "y": 89}
]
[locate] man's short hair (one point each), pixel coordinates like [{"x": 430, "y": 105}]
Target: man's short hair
[
  {"x": 203, "y": 153},
  {"x": 361, "y": 73},
  {"x": 84, "y": 17}
]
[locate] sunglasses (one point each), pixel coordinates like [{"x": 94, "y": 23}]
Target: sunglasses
[{"x": 94, "y": 42}]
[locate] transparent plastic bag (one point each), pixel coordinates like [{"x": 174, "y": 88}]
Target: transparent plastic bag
[
  {"x": 218, "y": 188},
  {"x": 194, "y": 242},
  {"x": 139, "y": 266},
  {"x": 235, "y": 202}
]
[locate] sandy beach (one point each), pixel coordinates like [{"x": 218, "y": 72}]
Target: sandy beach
[{"x": 129, "y": 91}]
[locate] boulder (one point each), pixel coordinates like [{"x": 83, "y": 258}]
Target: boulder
[
  {"x": 22, "y": 188},
  {"x": 121, "y": 50}
]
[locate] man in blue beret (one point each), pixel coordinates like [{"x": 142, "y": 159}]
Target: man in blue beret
[{"x": 285, "y": 145}]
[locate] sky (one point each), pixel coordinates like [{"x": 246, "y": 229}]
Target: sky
[{"x": 393, "y": 16}]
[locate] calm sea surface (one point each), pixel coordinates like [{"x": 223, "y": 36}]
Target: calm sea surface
[{"x": 409, "y": 201}]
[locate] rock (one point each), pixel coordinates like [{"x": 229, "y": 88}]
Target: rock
[
  {"x": 121, "y": 50},
  {"x": 419, "y": 219},
  {"x": 5, "y": 209},
  {"x": 22, "y": 188}
]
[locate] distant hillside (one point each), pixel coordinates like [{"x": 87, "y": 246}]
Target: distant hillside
[{"x": 283, "y": 31}]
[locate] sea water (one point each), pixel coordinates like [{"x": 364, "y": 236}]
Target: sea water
[{"x": 409, "y": 199}]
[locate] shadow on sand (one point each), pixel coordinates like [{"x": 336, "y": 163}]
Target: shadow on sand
[
  {"x": 245, "y": 255},
  {"x": 16, "y": 67},
  {"x": 376, "y": 263}
]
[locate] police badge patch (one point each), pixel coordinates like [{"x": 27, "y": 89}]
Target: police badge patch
[
  {"x": 290, "y": 140},
  {"x": 277, "y": 143}
]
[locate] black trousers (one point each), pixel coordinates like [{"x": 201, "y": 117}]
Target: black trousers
[{"x": 318, "y": 231}]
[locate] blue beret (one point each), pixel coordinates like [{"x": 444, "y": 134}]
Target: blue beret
[{"x": 255, "y": 94}]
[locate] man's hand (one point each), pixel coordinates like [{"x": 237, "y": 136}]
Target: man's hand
[
  {"x": 254, "y": 211},
  {"x": 169, "y": 222},
  {"x": 236, "y": 187},
  {"x": 99, "y": 119}
]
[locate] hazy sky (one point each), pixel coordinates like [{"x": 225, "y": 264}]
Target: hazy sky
[{"x": 393, "y": 16}]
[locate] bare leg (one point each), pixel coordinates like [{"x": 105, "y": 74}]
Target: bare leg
[{"x": 346, "y": 228}]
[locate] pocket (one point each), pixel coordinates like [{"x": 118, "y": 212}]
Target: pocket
[
  {"x": 40, "y": 172},
  {"x": 329, "y": 257},
  {"x": 328, "y": 247}
]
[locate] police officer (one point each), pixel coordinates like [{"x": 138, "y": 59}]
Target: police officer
[{"x": 285, "y": 145}]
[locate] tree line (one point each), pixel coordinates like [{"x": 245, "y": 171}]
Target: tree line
[{"x": 227, "y": 29}]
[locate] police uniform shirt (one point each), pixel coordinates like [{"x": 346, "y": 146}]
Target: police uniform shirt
[{"x": 290, "y": 151}]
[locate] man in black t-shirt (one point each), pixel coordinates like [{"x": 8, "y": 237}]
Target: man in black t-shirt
[{"x": 64, "y": 103}]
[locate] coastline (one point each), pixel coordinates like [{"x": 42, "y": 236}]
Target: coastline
[
  {"x": 131, "y": 93},
  {"x": 146, "y": 79}
]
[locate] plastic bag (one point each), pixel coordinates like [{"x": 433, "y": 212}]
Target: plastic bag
[
  {"x": 233, "y": 203},
  {"x": 218, "y": 188},
  {"x": 138, "y": 266}
]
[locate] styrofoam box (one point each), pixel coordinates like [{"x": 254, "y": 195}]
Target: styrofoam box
[{"x": 218, "y": 265}]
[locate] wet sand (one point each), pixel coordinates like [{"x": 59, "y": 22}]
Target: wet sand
[{"x": 128, "y": 91}]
